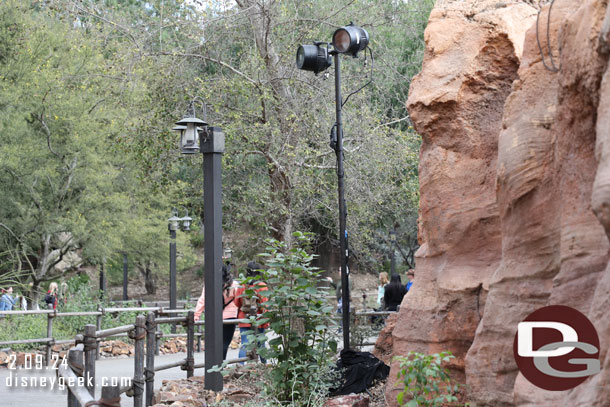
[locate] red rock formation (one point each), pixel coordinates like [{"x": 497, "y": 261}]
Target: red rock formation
[
  {"x": 553, "y": 247},
  {"x": 472, "y": 56},
  {"x": 549, "y": 199},
  {"x": 383, "y": 345}
]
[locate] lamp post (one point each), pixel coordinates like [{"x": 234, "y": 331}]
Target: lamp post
[
  {"x": 392, "y": 250},
  {"x": 196, "y": 135},
  {"x": 350, "y": 39},
  {"x": 103, "y": 280},
  {"x": 125, "y": 270},
  {"x": 172, "y": 226}
]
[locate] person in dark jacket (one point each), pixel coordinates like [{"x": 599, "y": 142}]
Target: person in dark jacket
[{"x": 393, "y": 293}]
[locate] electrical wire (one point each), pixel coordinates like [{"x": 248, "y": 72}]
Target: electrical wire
[
  {"x": 366, "y": 84},
  {"x": 553, "y": 67}
]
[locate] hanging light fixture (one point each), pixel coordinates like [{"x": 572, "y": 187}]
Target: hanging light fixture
[{"x": 189, "y": 134}]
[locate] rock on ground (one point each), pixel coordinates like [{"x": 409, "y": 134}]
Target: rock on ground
[{"x": 351, "y": 400}]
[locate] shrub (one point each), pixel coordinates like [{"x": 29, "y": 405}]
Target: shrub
[
  {"x": 300, "y": 316},
  {"x": 426, "y": 382}
]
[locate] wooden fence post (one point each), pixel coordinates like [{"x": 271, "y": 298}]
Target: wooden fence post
[
  {"x": 75, "y": 362},
  {"x": 151, "y": 332},
  {"x": 90, "y": 346},
  {"x": 190, "y": 344},
  {"x": 138, "y": 370},
  {"x": 49, "y": 335}
]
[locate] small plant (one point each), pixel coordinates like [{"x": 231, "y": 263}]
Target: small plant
[
  {"x": 426, "y": 382},
  {"x": 300, "y": 316}
]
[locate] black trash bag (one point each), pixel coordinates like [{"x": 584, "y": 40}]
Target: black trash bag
[{"x": 360, "y": 371}]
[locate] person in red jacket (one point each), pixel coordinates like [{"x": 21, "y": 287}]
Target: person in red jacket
[{"x": 251, "y": 306}]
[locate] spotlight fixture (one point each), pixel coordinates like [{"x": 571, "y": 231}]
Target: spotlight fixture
[
  {"x": 313, "y": 58},
  {"x": 350, "y": 39}
]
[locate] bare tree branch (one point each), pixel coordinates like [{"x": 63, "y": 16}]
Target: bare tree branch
[
  {"x": 11, "y": 232},
  {"x": 392, "y": 122},
  {"x": 218, "y": 61}
]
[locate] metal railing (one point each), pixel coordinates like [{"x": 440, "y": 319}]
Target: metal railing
[
  {"x": 49, "y": 340},
  {"x": 145, "y": 334}
]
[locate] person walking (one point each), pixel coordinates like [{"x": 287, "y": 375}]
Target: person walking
[
  {"x": 251, "y": 306},
  {"x": 410, "y": 276},
  {"x": 383, "y": 281},
  {"x": 394, "y": 293},
  {"x": 229, "y": 309},
  {"x": 50, "y": 298},
  {"x": 7, "y": 301}
]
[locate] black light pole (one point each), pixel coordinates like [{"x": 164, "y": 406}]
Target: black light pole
[
  {"x": 212, "y": 146},
  {"x": 345, "y": 294},
  {"x": 125, "y": 298},
  {"x": 172, "y": 226},
  {"x": 103, "y": 280},
  {"x": 392, "y": 250},
  {"x": 350, "y": 39}
]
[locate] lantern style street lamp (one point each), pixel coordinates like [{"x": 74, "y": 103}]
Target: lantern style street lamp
[
  {"x": 350, "y": 40},
  {"x": 197, "y": 136}
]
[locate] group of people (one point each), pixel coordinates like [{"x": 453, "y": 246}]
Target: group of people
[
  {"x": 8, "y": 301},
  {"x": 237, "y": 305},
  {"x": 391, "y": 292}
]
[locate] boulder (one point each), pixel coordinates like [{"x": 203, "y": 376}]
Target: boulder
[
  {"x": 554, "y": 248},
  {"x": 4, "y": 358},
  {"x": 383, "y": 345}
]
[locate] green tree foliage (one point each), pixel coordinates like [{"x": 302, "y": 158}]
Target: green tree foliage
[
  {"x": 63, "y": 188},
  {"x": 89, "y": 91},
  {"x": 278, "y": 168}
]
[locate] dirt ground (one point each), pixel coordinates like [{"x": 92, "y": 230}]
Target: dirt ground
[{"x": 242, "y": 387}]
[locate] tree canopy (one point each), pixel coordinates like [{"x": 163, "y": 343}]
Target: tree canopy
[{"x": 90, "y": 91}]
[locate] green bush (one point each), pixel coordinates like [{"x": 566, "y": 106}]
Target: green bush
[
  {"x": 426, "y": 382},
  {"x": 300, "y": 316}
]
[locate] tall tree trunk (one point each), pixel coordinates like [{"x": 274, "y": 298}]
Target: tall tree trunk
[
  {"x": 260, "y": 16},
  {"x": 149, "y": 280},
  {"x": 33, "y": 296}
]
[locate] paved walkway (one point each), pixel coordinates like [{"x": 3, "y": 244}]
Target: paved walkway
[{"x": 13, "y": 394}]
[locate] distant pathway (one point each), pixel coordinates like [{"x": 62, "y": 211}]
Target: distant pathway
[{"x": 16, "y": 396}]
